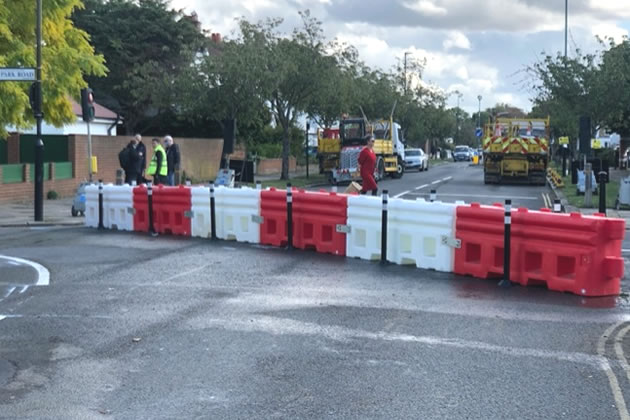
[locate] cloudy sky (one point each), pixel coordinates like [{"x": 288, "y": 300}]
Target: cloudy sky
[{"x": 478, "y": 47}]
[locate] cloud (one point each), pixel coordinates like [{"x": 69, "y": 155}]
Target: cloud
[
  {"x": 606, "y": 30},
  {"x": 456, "y": 39},
  {"x": 425, "y": 7}
]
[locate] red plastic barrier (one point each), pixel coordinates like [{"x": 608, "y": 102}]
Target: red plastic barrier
[
  {"x": 480, "y": 229},
  {"x": 568, "y": 252},
  {"x": 273, "y": 209},
  {"x": 171, "y": 205},
  {"x": 565, "y": 252},
  {"x": 141, "y": 209},
  {"x": 315, "y": 219},
  {"x": 316, "y": 216}
]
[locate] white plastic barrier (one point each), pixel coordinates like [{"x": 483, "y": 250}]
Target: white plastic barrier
[
  {"x": 364, "y": 220},
  {"x": 117, "y": 205},
  {"x": 201, "y": 223},
  {"x": 91, "y": 205},
  {"x": 421, "y": 233},
  {"x": 238, "y": 214}
]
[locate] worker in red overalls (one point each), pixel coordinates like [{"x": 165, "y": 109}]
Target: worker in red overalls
[{"x": 367, "y": 162}]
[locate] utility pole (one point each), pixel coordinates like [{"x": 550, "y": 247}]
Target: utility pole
[
  {"x": 479, "y": 97},
  {"x": 39, "y": 144},
  {"x": 405, "y": 60},
  {"x": 459, "y": 96},
  {"x": 566, "y": 25}
]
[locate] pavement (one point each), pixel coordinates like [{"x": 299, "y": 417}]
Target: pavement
[{"x": 56, "y": 213}]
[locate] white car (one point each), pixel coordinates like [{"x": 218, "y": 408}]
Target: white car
[{"x": 416, "y": 159}]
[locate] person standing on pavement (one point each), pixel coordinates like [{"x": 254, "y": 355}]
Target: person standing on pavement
[
  {"x": 157, "y": 167},
  {"x": 367, "y": 163},
  {"x": 132, "y": 167},
  {"x": 142, "y": 159},
  {"x": 172, "y": 159}
]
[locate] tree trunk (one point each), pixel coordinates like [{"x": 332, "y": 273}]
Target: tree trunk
[{"x": 285, "y": 152}]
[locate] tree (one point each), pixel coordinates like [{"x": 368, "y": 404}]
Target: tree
[
  {"x": 612, "y": 87},
  {"x": 147, "y": 46},
  {"x": 297, "y": 65},
  {"x": 67, "y": 57}
]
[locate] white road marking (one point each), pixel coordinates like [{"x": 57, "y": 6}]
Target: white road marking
[
  {"x": 283, "y": 326},
  {"x": 2, "y": 317},
  {"x": 481, "y": 196},
  {"x": 448, "y": 178},
  {"x": 401, "y": 194},
  {"x": 43, "y": 278},
  {"x": 620, "y": 403},
  {"x": 619, "y": 350},
  {"x": 8, "y": 293},
  {"x": 194, "y": 270},
  {"x": 436, "y": 182},
  {"x": 422, "y": 186},
  {"x": 625, "y": 250}
]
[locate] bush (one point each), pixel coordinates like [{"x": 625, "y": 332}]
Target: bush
[{"x": 52, "y": 195}]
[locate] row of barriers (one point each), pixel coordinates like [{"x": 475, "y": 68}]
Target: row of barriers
[{"x": 564, "y": 252}]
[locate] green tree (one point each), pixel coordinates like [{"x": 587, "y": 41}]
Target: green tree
[
  {"x": 613, "y": 84},
  {"x": 67, "y": 57},
  {"x": 147, "y": 47}
]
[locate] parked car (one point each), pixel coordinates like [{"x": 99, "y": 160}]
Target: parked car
[
  {"x": 416, "y": 159},
  {"x": 462, "y": 153}
]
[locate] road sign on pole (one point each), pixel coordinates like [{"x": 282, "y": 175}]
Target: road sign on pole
[
  {"x": 17, "y": 74},
  {"x": 478, "y": 132}
]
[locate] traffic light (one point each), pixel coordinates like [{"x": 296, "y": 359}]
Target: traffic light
[{"x": 87, "y": 104}]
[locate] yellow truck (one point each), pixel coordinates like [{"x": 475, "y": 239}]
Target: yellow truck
[
  {"x": 389, "y": 148},
  {"x": 328, "y": 148},
  {"x": 516, "y": 150}
]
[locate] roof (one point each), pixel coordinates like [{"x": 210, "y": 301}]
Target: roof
[{"x": 99, "y": 110}]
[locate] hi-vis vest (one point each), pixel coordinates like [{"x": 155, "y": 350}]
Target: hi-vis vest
[{"x": 153, "y": 165}]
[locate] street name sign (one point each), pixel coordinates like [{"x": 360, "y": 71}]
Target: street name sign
[{"x": 17, "y": 74}]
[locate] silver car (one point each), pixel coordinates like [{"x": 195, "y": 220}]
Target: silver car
[{"x": 416, "y": 159}]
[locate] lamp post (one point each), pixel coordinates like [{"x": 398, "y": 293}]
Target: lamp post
[
  {"x": 459, "y": 96},
  {"x": 405, "y": 60},
  {"x": 39, "y": 144}
]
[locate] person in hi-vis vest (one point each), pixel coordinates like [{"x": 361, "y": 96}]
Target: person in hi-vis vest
[{"x": 157, "y": 167}]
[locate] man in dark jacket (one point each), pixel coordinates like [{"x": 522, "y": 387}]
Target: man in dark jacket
[
  {"x": 172, "y": 159},
  {"x": 132, "y": 169},
  {"x": 142, "y": 158}
]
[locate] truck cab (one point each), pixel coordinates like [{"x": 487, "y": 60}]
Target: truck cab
[{"x": 389, "y": 148}]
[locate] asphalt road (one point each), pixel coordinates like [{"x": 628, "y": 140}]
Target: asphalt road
[
  {"x": 135, "y": 327},
  {"x": 461, "y": 182}
]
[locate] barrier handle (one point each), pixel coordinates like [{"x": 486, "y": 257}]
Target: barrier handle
[
  {"x": 213, "y": 226},
  {"x": 100, "y": 204},
  {"x": 289, "y": 216},
  {"x": 505, "y": 282},
  {"x": 602, "y": 192},
  {"x": 150, "y": 201},
  {"x": 384, "y": 228}
]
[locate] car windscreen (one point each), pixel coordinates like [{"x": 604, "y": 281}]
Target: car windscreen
[
  {"x": 461, "y": 149},
  {"x": 412, "y": 152}
]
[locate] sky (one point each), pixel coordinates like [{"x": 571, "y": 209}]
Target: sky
[{"x": 476, "y": 47}]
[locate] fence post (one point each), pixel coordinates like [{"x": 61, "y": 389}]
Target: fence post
[
  {"x": 557, "y": 206},
  {"x": 602, "y": 192},
  {"x": 100, "y": 204},
  {"x": 506, "y": 244},
  {"x": 289, "y": 216},
  {"x": 213, "y": 225},
  {"x": 384, "y": 228},
  {"x": 150, "y": 201},
  {"x": 433, "y": 196}
]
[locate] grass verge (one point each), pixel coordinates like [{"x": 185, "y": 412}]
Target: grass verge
[{"x": 570, "y": 192}]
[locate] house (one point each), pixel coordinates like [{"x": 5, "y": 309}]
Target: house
[{"x": 105, "y": 123}]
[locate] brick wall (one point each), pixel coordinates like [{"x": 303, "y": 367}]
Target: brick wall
[{"x": 200, "y": 159}]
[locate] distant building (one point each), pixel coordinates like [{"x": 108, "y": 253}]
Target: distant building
[{"x": 105, "y": 124}]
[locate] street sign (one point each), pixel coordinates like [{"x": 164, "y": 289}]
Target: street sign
[
  {"x": 596, "y": 144},
  {"x": 17, "y": 74},
  {"x": 564, "y": 140},
  {"x": 478, "y": 132}
]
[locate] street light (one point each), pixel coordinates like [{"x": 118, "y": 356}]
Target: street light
[
  {"x": 459, "y": 96},
  {"x": 405, "y": 60},
  {"x": 566, "y": 25},
  {"x": 39, "y": 144}
]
